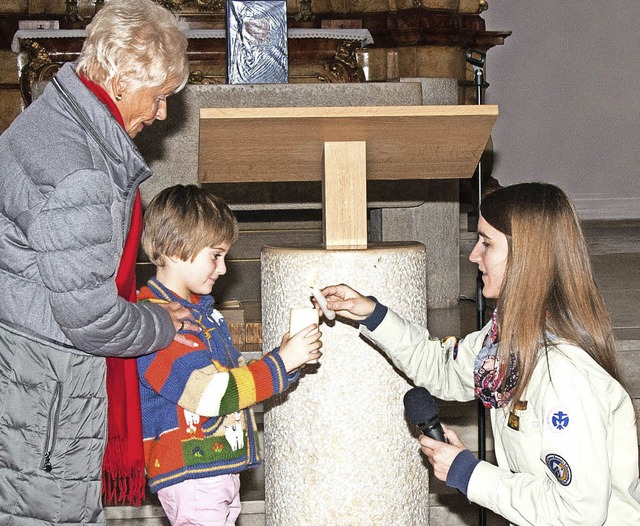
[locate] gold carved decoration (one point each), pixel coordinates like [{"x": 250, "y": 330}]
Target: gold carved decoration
[
  {"x": 198, "y": 76},
  {"x": 343, "y": 67},
  {"x": 305, "y": 12},
  {"x": 37, "y": 67},
  {"x": 71, "y": 13},
  {"x": 210, "y": 6}
]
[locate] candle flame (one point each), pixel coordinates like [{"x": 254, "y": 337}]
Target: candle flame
[{"x": 311, "y": 277}]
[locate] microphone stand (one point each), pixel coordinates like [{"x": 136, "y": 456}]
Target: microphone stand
[{"x": 476, "y": 59}]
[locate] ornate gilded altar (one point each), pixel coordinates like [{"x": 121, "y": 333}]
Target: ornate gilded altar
[{"x": 315, "y": 55}]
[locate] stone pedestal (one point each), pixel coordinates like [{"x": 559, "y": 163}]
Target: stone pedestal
[{"x": 338, "y": 449}]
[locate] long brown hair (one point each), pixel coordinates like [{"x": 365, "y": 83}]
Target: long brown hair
[{"x": 548, "y": 285}]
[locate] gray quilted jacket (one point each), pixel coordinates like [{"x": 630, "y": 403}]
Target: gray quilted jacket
[{"x": 68, "y": 177}]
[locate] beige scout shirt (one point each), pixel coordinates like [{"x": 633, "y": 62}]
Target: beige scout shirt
[{"x": 567, "y": 454}]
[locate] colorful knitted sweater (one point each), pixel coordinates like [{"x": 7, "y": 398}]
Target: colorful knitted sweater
[{"x": 196, "y": 403}]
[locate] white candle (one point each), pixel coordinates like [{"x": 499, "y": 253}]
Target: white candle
[
  {"x": 322, "y": 302},
  {"x": 301, "y": 317}
]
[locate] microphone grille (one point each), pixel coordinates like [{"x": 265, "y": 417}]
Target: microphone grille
[{"x": 419, "y": 405}]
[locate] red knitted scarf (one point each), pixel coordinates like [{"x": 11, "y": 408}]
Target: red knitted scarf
[{"x": 123, "y": 476}]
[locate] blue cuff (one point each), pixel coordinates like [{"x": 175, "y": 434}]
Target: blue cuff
[
  {"x": 292, "y": 376},
  {"x": 460, "y": 471},
  {"x": 376, "y": 317}
]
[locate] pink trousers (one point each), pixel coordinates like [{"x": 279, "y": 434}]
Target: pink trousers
[{"x": 212, "y": 501}]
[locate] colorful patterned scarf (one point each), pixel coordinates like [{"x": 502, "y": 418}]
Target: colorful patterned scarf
[{"x": 487, "y": 375}]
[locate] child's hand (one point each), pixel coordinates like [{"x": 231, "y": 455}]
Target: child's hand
[{"x": 301, "y": 347}]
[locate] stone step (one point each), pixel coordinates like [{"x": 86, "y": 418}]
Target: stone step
[
  {"x": 447, "y": 508},
  {"x": 153, "y": 515},
  {"x": 253, "y": 514}
]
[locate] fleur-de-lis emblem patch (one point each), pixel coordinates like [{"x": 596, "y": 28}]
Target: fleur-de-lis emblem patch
[
  {"x": 560, "y": 420},
  {"x": 556, "y": 419}
]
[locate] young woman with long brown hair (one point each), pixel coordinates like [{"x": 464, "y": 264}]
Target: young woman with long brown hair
[{"x": 564, "y": 428}]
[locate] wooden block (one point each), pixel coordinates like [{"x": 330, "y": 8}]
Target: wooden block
[
  {"x": 229, "y": 304},
  {"x": 252, "y": 311},
  {"x": 232, "y": 315},
  {"x": 238, "y": 334},
  {"x": 344, "y": 198},
  {"x": 253, "y": 332}
]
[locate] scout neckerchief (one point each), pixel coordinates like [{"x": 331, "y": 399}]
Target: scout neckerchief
[{"x": 487, "y": 375}]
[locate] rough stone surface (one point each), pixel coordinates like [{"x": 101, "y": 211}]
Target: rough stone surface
[
  {"x": 338, "y": 449},
  {"x": 435, "y": 223}
]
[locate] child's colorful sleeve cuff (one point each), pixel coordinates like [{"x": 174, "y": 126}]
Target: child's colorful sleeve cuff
[{"x": 280, "y": 379}]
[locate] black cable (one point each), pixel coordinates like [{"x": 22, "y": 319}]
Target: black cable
[{"x": 476, "y": 59}]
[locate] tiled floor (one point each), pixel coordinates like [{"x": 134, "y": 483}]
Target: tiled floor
[{"x": 615, "y": 249}]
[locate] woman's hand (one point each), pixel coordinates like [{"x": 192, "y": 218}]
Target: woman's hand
[
  {"x": 181, "y": 318},
  {"x": 348, "y": 303},
  {"x": 298, "y": 349},
  {"x": 441, "y": 454}
]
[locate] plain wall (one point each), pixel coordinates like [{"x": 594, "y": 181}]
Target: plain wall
[{"x": 568, "y": 83}]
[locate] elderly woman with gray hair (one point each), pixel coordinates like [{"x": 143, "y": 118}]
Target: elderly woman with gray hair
[{"x": 70, "y": 217}]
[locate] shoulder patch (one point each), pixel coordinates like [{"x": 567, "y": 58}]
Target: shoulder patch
[
  {"x": 559, "y": 467},
  {"x": 521, "y": 405},
  {"x": 557, "y": 420}
]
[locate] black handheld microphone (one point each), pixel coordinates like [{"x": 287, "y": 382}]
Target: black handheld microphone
[{"x": 422, "y": 410}]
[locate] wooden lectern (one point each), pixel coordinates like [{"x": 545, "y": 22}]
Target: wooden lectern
[
  {"x": 343, "y": 147},
  {"x": 310, "y": 448}
]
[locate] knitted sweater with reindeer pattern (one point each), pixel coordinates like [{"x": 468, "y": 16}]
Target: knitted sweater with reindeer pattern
[{"x": 197, "y": 417}]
